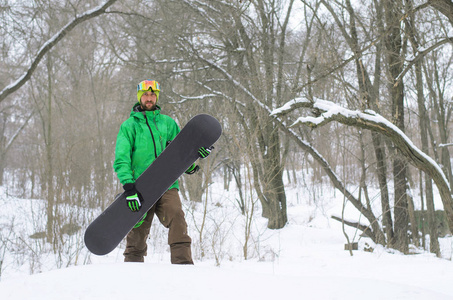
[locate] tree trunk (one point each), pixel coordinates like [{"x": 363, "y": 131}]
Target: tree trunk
[
  {"x": 378, "y": 142},
  {"x": 432, "y": 227},
  {"x": 3, "y": 149},
  {"x": 2, "y": 166},
  {"x": 49, "y": 158},
  {"x": 381, "y": 169},
  {"x": 271, "y": 189},
  {"x": 400, "y": 205},
  {"x": 394, "y": 45},
  {"x": 414, "y": 227},
  {"x": 275, "y": 190},
  {"x": 423, "y": 123},
  {"x": 369, "y": 94}
]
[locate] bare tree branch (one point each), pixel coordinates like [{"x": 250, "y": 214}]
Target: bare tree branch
[
  {"x": 50, "y": 44},
  {"x": 377, "y": 235},
  {"x": 358, "y": 54},
  {"x": 445, "y": 7},
  {"x": 365, "y": 229},
  {"x": 420, "y": 56},
  {"x": 18, "y": 131}
]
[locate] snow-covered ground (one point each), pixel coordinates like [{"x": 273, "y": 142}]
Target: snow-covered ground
[
  {"x": 304, "y": 260},
  {"x": 319, "y": 277}
]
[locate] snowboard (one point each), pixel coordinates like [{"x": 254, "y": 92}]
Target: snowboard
[{"x": 110, "y": 227}]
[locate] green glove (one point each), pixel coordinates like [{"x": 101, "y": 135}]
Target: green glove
[
  {"x": 139, "y": 223},
  {"x": 132, "y": 199},
  {"x": 133, "y": 202},
  {"x": 204, "y": 152},
  {"x": 192, "y": 169}
]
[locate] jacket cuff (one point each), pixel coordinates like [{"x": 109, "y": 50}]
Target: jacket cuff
[{"x": 129, "y": 186}]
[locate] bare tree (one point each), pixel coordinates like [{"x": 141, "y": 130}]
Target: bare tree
[
  {"x": 240, "y": 73},
  {"x": 50, "y": 43}
]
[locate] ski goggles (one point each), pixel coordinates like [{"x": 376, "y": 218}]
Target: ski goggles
[{"x": 147, "y": 84}]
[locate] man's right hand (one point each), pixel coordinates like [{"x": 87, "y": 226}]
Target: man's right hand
[
  {"x": 133, "y": 202},
  {"x": 132, "y": 199}
]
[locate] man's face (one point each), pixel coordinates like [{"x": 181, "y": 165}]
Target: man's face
[{"x": 148, "y": 101}]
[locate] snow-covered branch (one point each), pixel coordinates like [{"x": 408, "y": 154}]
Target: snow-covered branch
[
  {"x": 445, "y": 145},
  {"x": 367, "y": 120},
  {"x": 329, "y": 111},
  {"x": 201, "y": 97},
  {"x": 52, "y": 42}
]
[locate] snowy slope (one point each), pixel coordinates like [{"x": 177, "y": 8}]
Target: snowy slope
[
  {"x": 163, "y": 281},
  {"x": 309, "y": 265},
  {"x": 304, "y": 260}
]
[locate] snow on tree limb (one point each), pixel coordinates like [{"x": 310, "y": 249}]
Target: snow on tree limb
[
  {"x": 11, "y": 88},
  {"x": 329, "y": 111},
  {"x": 367, "y": 120},
  {"x": 445, "y": 145}
]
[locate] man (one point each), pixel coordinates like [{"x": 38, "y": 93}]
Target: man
[{"x": 141, "y": 139}]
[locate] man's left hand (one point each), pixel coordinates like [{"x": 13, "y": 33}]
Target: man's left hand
[{"x": 204, "y": 152}]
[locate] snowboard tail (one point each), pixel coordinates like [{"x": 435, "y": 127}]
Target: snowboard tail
[{"x": 111, "y": 226}]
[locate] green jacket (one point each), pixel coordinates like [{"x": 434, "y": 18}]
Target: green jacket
[{"x": 140, "y": 140}]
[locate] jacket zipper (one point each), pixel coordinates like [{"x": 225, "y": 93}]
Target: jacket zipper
[
  {"x": 160, "y": 136},
  {"x": 152, "y": 136}
]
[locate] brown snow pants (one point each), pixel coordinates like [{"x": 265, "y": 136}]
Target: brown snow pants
[{"x": 169, "y": 211}]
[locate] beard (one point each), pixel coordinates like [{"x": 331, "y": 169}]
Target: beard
[{"x": 148, "y": 106}]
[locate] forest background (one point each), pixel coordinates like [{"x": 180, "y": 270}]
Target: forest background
[{"x": 353, "y": 93}]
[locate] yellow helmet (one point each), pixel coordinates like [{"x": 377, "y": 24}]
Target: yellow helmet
[{"x": 147, "y": 85}]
